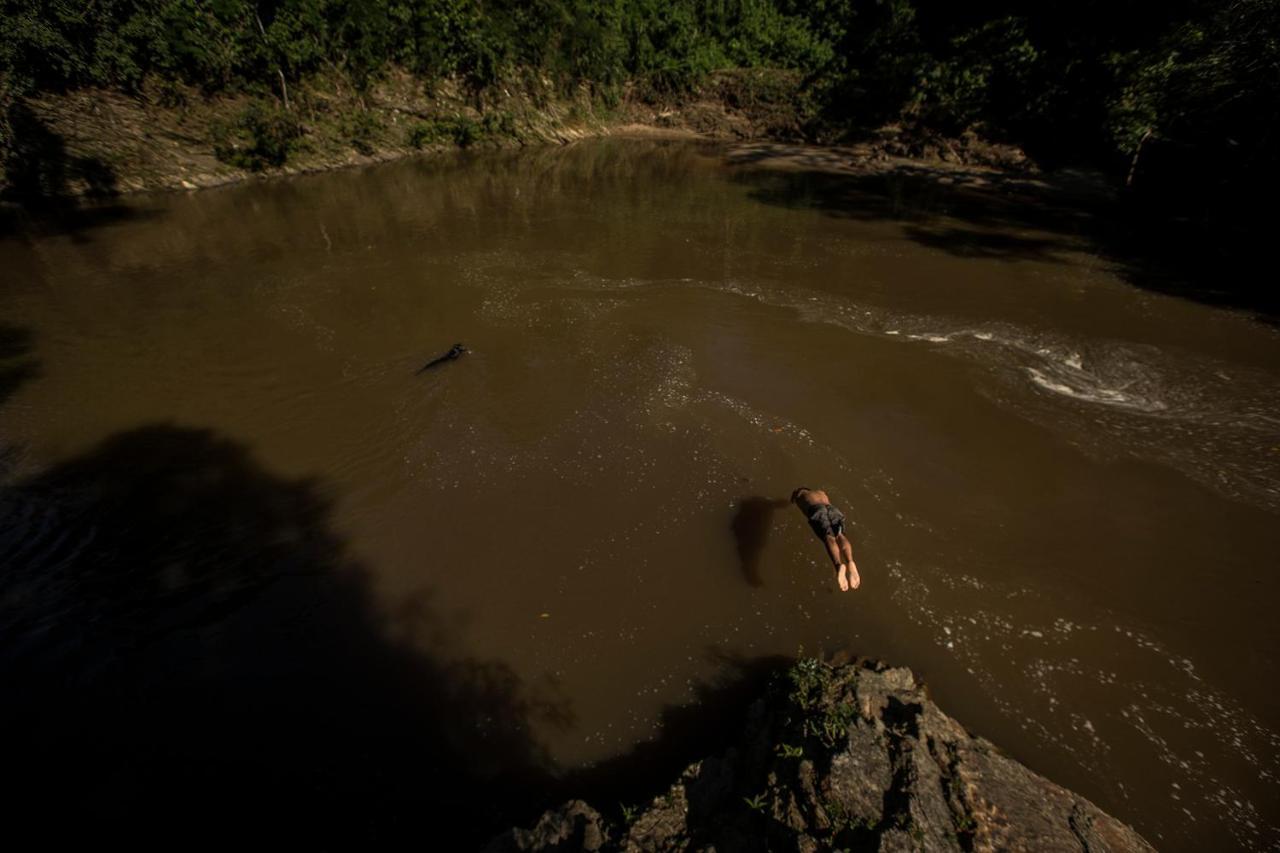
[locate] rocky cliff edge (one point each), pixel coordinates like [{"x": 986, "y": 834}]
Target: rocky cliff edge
[{"x": 847, "y": 757}]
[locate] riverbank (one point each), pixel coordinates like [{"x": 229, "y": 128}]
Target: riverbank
[
  {"x": 852, "y": 756},
  {"x": 101, "y": 143}
]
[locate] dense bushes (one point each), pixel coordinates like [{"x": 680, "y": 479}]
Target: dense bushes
[
  {"x": 462, "y": 131},
  {"x": 262, "y": 135},
  {"x": 228, "y": 43}
]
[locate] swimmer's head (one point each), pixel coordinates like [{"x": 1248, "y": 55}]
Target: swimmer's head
[{"x": 798, "y": 493}]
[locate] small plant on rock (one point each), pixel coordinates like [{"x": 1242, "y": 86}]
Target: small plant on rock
[
  {"x": 809, "y": 676},
  {"x": 786, "y": 750}
]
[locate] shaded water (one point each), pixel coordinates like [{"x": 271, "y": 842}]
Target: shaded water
[{"x": 246, "y": 542}]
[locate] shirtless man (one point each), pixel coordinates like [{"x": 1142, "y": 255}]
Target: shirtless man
[{"x": 828, "y": 523}]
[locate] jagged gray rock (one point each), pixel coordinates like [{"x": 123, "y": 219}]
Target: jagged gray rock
[
  {"x": 573, "y": 826},
  {"x": 856, "y": 757}
]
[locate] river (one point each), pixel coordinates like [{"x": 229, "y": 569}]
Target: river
[{"x": 224, "y": 467}]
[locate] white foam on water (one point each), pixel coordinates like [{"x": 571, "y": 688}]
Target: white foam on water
[
  {"x": 1108, "y": 396},
  {"x": 1048, "y": 384},
  {"x": 1088, "y": 389}
]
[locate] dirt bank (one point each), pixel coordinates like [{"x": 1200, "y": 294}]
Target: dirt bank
[
  {"x": 169, "y": 137},
  {"x": 94, "y": 142}
]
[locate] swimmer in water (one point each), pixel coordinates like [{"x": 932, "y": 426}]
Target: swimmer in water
[{"x": 828, "y": 523}]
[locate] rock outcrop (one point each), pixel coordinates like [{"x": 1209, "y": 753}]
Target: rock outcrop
[{"x": 854, "y": 757}]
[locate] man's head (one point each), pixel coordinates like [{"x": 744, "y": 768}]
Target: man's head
[{"x": 799, "y": 493}]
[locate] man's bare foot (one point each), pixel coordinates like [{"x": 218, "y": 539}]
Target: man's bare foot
[
  {"x": 842, "y": 577},
  {"x": 855, "y": 580}
]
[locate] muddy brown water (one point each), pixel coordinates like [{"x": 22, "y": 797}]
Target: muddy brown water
[{"x": 227, "y": 479}]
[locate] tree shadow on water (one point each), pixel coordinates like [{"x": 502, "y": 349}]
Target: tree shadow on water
[
  {"x": 751, "y": 525},
  {"x": 53, "y": 189},
  {"x": 703, "y": 728},
  {"x": 923, "y": 195},
  {"x": 1011, "y": 216},
  {"x": 968, "y": 243},
  {"x": 16, "y": 365},
  {"x": 38, "y": 165},
  {"x": 189, "y": 657}
]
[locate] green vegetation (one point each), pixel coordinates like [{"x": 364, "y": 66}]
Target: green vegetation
[
  {"x": 261, "y": 136},
  {"x": 811, "y": 679},
  {"x": 361, "y": 129},
  {"x": 464, "y": 131},
  {"x": 786, "y": 750},
  {"x": 1155, "y": 90},
  {"x": 231, "y": 44}
]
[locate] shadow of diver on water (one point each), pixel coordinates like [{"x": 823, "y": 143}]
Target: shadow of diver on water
[{"x": 751, "y": 525}]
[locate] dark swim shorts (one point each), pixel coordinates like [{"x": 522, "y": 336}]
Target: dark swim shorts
[{"x": 826, "y": 521}]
